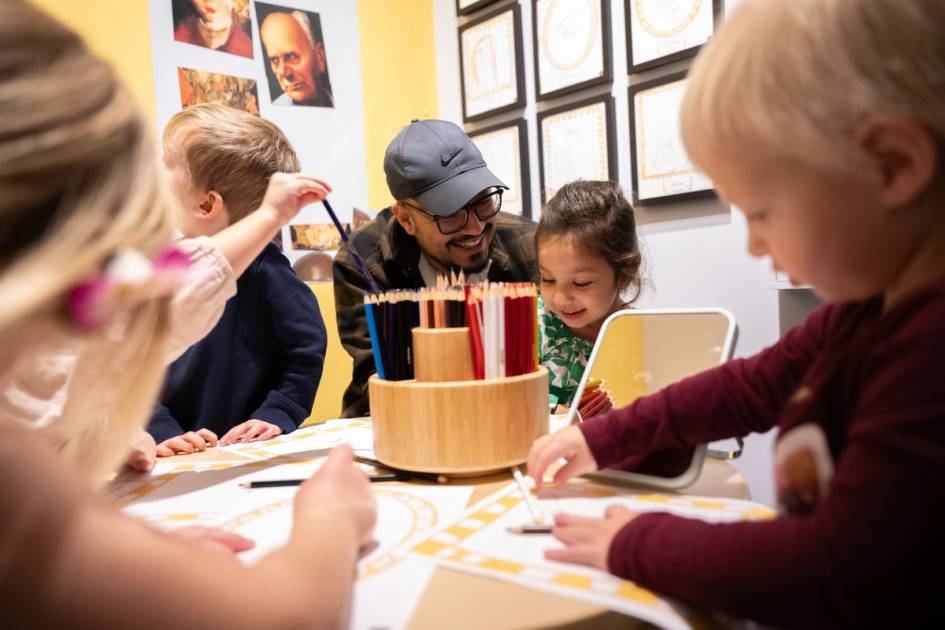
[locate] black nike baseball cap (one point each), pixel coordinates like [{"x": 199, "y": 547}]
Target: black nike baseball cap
[{"x": 435, "y": 163}]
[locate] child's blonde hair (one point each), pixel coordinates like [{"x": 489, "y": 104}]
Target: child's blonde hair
[
  {"x": 78, "y": 182},
  {"x": 797, "y": 76},
  {"x": 230, "y": 151}
]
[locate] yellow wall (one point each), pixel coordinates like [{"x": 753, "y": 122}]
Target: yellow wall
[
  {"x": 398, "y": 74},
  {"x": 119, "y": 31}
]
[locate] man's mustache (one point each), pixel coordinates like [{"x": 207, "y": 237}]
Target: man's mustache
[{"x": 485, "y": 231}]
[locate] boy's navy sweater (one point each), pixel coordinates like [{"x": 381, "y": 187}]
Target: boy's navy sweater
[{"x": 263, "y": 360}]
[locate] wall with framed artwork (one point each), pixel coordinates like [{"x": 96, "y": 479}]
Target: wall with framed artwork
[
  {"x": 694, "y": 245},
  {"x": 491, "y": 72},
  {"x": 505, "y": 149},
  {"x": 661, "y": 169},
  {"x": 576, "y": 141},
  {"x": 662, "y": 32},
  {"x": 571, "y": 46}
]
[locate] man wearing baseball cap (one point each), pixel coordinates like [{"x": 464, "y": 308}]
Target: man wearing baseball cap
[{"x": 446, "y": 217}]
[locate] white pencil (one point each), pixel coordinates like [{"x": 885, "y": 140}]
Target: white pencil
[{"x": 527, "y": 495}]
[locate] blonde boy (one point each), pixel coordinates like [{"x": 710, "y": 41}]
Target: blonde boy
[
  {"x": 823, "y": 122},
  {"x": 255, "y": 375}
]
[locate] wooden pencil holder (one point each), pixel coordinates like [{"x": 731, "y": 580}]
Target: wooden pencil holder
[
  {"x": 456, "y": 427},
  {"x": 442, "y": 355}
]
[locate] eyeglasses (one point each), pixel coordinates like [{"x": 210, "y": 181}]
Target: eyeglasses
[{"x": 485, "y": 208}]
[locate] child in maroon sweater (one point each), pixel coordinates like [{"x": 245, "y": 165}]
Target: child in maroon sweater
[{"x": 823, "y": 122}]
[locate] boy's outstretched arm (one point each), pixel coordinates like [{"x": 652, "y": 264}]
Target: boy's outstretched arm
[{"x": 286, "y": 195}]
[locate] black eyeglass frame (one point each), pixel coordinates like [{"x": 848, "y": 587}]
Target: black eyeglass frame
[{"x": 476, "y": 202}]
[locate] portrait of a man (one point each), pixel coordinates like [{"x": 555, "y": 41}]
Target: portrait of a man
[
  {"x": 221, "y": 25},
  {"x": 296, "y": 61}
]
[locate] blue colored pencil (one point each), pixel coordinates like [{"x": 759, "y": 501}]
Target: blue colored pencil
[
  {"x": 375, "y": 344},
  {"x": 376, "y": 290}
]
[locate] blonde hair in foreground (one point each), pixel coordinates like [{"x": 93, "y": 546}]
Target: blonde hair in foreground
[
  {"x": 795, "y": 77},
  {"x": 230, "y": 151},
  {"x": 78, "y": 182}
]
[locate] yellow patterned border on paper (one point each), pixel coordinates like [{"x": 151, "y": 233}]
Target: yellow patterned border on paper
[{"x": 446, "y": 545}]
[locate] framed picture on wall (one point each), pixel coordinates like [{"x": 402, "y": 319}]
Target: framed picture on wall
[
  {"x": 661, "y": 31},
  {"x": 465, "y": 7},
  {"x": 491, "y": 66},
  {"x": 505, "y": 150},
  {"x": 662, "y": 171},
  {"x": 576, "y": 141},
  {"x": 294, "y": 56},
  {"x": 572, "y": 45}
]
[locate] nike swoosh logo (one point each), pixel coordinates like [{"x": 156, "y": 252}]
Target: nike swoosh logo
[{"x": 445, "y": 160}]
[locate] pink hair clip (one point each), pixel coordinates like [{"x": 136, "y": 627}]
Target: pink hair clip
[{"x": 129, "y": 279}]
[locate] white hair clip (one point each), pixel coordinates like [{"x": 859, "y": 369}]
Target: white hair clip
[{"x": 128, "y": 279}]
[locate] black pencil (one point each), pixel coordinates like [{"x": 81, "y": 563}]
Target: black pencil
[
  {"x": 279, "y": 483},
  {"x": 414, "y": 476}
]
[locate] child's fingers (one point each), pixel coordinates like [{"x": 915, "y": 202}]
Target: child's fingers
[
  {"x": 572, "y": 529},
  {"x": 209, "y": 436},
  {"x": 254, "y": 429},
  {"x": 321, "y": 182},
  {"x": 197, "y": 441},
  {"x": 536, "y": 465},
  {"x": 255, "y": 432},
  {"x": 578, "y": 554},
  {"x": 339, "y": 459},
  {"x": 214, "y": 538},
  {"x": 270, "y": 432},
  {"x": 618, "y": 512},
  {"x": 140, "y": 461},
  {"x": 178, "y": 445},
  {"x": 164, "y": 451},
  {"x": 563, "y": 474},
  {"x": 232, "y": 434}
]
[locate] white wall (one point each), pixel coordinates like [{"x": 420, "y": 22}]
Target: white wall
[{"x": 695, "y": 253}]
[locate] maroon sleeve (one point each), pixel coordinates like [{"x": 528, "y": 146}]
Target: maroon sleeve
[
  {"x": 865, "y": 556},
  {"x": 734, "y": 399}
]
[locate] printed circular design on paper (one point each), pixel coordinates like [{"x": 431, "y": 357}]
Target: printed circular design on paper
[
  {"x": 669, "y": 18},
  {"x": 563, "y": 26},
  {"x": 413, "y": 515}
]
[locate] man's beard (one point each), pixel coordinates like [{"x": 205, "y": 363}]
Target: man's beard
[{"x": 488, "y": 234}]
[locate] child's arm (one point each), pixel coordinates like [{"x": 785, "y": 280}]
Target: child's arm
[
  {"x": 862, "y": 554},
  {"x": 70, "y": 559},
  {"x": 287, "y": 193},
  {"x": 734, "y": 399}
]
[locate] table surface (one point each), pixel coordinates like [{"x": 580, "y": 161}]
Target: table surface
[{"x": 458, "y": 600}]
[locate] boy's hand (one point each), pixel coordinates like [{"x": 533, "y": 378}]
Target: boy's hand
[
  {"x": 568, "y": 443},
  {"x": 587, "y": 540},
  {"x": 213, "y": 538},
  {"x": 190, "y": 442},
  {"x": 250, "y": 431},
  {"x": 341, "y": 490},
  {"x": 290, "y": 192},
  {"x": 143, "y": 453}
]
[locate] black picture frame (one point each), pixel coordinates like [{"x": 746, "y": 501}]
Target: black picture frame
[
  {"x": 610, "y": 133},
  {"x": 606, "y": 51},
  {"x": 632, "y": 91},
  {"x": 475, "y": 6},
  {"x": 518, "y": 61},
  {"x": 634, "y": 68},
  {"x": 523, "y": 158}
]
